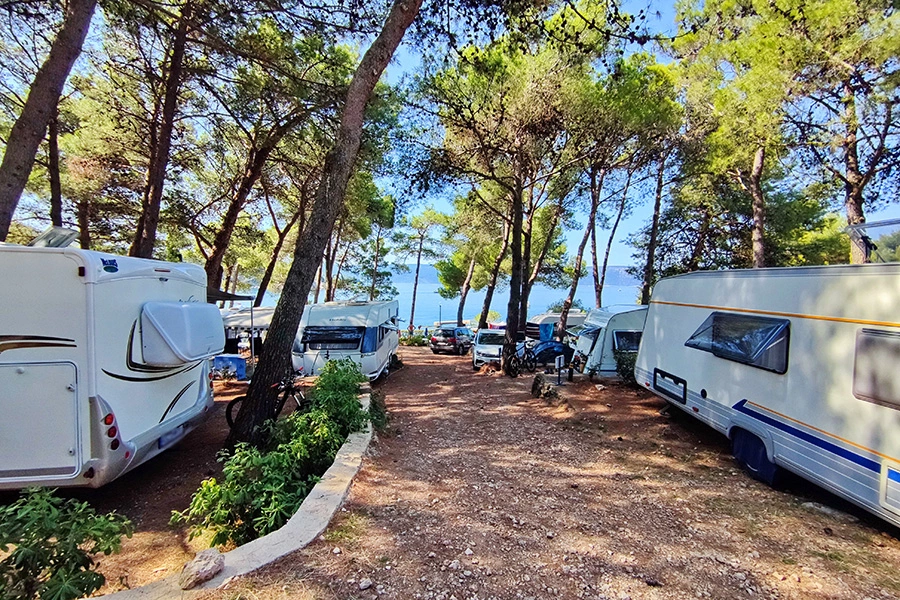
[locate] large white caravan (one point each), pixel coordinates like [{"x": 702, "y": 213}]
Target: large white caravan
[
  {"x": 797, "y": 366},
  {"x": 366, "y": 332},
  {"x": 102, "y": 362},
  {"x": 606, "y": 330}
]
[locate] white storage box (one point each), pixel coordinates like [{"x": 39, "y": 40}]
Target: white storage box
[{"x": 174, "y": 333}]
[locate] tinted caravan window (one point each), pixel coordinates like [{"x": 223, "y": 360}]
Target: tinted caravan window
[
  {"x": 626, "y": 341},
  {"x": 331, "y": 338},
  {"x": 875, "y": 367},
  {"x": 760, "y": 342}
]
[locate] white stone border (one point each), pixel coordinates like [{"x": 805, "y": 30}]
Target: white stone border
[{"x": 308, "y": 523}]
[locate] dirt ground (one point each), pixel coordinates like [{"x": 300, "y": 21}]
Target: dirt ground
[{"x": 478, "y": 490}]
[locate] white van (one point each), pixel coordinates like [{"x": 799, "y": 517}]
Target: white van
[
  {"x": 797, "y": 366},
  {"x": 366, "y": 332},
  {"x": 605, "y": 331},
  {"x": 102, "y": 362}
]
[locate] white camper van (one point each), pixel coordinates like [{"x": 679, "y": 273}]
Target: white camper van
[
  {"x": 367, "y": 332},
  {"x": 797, "y": 366},
  {"x": 606, "y": 330},
  {"x": 102, "y": 362}
]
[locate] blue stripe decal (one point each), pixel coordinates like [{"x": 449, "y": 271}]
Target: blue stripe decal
[
  {"x": 862, "y": 461},
  {"x": 894, "y": 475}
]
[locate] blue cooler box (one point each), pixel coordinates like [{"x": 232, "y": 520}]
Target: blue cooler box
[{"x": 235, "y": 361}]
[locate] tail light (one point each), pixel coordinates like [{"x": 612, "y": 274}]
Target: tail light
[
  {"x": 451, "y": 340},
  {"x": 433, "y": 339}
]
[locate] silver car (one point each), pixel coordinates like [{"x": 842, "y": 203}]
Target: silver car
[{"x": 487, "y": 348}]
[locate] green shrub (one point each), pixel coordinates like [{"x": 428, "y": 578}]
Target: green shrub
[
  {"x": 625, "y": 365},
  {"x": 378, "y": 410},
  {"x": 414, "y": 340},
  {"x": 50, "y": 542},
  {"x": 262, "y": 488}
]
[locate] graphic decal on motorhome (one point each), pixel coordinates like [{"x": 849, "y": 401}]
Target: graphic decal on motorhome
[
  {"x": 862, "y": 461},
  {"x": 175, "y": 401},
  {"x": 137, "y": 367},
  {"x": 17, "y": 342}
]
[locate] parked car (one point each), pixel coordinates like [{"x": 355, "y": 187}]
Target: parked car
[
  {"x": 489, "y": 346},
  {"x": 455, "y": 340}
]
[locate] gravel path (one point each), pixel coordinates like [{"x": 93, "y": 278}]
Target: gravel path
[{"x": 478, "y": 490}]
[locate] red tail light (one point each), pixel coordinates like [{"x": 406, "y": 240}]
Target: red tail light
[
  {"x": 111, "y": 432},
  {"x": 433, "y": 339},
  {"x": 108, "y": 419},
  {"x": 451, "y": 340}
]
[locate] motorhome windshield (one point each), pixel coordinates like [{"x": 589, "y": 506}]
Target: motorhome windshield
[{"x": 332, "y": 338}]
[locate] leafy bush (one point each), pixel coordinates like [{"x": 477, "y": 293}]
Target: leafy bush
[
  {"x": 378, "y": 410},
  {"x": 625, "y": 365},
  {"x": 413, "y": 340},
  {"x": 263, "y": 488},
  {"x": 50, "y": 542}
]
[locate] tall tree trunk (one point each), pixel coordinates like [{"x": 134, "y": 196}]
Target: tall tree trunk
[
  {"x": 375, "y": 265},
  {"x": 83, "y": 214},
  {"x": 700, "y": 243},
  {"x": 337, "y": 274},
  {"x": 514, "y": 306},
  {"x": 255, "y": 163},
  {"x": 527, "y": 226},
  {"x": 318, "y": 282},
  {"x": 853, "y": 177},
  {"x": 492, "y": 284},
  {"x": 145, "y": 236},
  {"x": 464, "y": 291},
  {"x": 29, "y": 129},
  {"x": 232, "y": 289},
  {"x": 535, "y": 269},
  {"x": 596, "y": 186},
  {"x": 412, "y": 309},
  {"x": 53, "y": 170},
  {"x": 654, "y": 233},
  {"x": 612, "y": 236},
  {"x": 339, "y": 163},
  {"x": 270, "y": 268},
  {"x": 759, "y": 209},
  {"x": 595, "y": 268}
]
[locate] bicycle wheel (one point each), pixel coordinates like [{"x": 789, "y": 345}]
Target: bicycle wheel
[
  {"x": 529, "y": 361},
  {"x": 512, "y": 366},
  {"x": 232, "y": 410}
]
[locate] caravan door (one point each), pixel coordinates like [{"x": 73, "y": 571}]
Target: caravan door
[{"x": 40, "y": 402}]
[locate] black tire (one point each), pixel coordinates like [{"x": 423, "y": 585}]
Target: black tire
[
  {"x": 529, "y": 361},
  {"x": 750, "y": 452},
  {"x": 474, "y": 366},
  {"x": 232, "y": 410},
  {"x": 434, "y": 351}
]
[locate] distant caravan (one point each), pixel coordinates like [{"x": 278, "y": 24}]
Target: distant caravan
[
  {"x": 366, "y": 332},
  {"x": 797, "y": 366}
]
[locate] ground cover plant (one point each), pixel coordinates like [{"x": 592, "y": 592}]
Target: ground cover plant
[
  {"x": 263, "y": 486},
  {"x": 49, "y": 543}
]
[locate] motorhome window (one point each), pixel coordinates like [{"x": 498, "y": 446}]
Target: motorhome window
[
  {"x": 874, "y": 379},
  {"x": 756, "y": 341},
  {"x": 626, "y": 341},
  {"x": 331, "y": 338},
  {"x": 370, "y": 340},
  {"x": 589, "y": 332}
]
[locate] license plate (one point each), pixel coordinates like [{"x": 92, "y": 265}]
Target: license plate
[{"x": 170, "y": 437}]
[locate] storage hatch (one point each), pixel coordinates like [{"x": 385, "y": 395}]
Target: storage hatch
[{"x": 175, "y": 333}]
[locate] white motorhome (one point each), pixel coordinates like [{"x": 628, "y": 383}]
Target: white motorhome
[
  {"x": 797, "y": 366},
  {"x": 102, "y": 362},
  {"x": 366, "y": 332},
  {"x": 605, "y": 331}
]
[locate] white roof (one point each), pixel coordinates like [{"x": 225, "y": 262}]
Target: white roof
[{"x": 241, "y": 318}]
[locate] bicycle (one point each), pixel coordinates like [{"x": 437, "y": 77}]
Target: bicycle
[
  {"x": 527, "y": 357},
  {"x": 287, "y": 388},
  {"x": 512, "y": 364},
  {"x": 226, "y": 372}
]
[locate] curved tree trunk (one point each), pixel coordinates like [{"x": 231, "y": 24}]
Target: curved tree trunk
[
  {"x": 145, "y": 236},
  {"x": 464, "y": 291},
  {"x": 270, "y": 268},
  {"x": 339, "y": 163},
  {"x": 595, "y": 269},
  {"x": 412, "y": 310},
  {"x": 514, "y": 306},
  {"x": 492, "y": 285},
  {"x": 612, "y": 236},
  {"x": 596, "y": 187},
  {"x": 654, "y": 233},
  {"x": 29, "y": 129}
]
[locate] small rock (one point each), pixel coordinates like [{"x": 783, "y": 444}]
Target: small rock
[
  {"x": 336, "y": 551},
  {"x": 365, "y": 584},
  {"x": 652, "y": 582},
  {"x": 454, "y": 564},
  {"x": 204, "y": 567},
  {"x": 468, "y": 552},
  {"x": 550, "y": 535},
  {"x": 431, "y": 555},
  {"x": 828, "y": 531}
]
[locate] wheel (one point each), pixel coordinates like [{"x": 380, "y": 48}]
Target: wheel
[
  {"x": 750, "y": 452},
  {"x": 474, "y": 366},
  {"x": 529, "y": 361},
  {"x": 232, "y": 410},
  {"x": 434, "y": 351}
]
